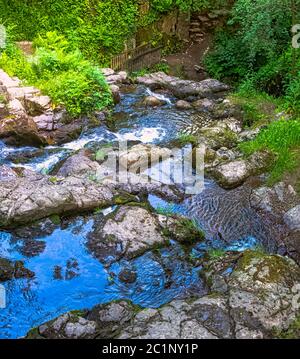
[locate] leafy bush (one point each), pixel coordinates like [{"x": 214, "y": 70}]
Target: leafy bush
[
  {"x": 257, "y": 45},
  {"x": 64, "y": 75},
  {"x": 162, "y": 5}
]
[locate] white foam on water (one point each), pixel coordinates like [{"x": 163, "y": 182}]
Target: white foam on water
[
  {"x": 81, "y": 142},
  {"x": 45, "y": 165},
  {"x": 145, "y": 135},
  {"x": 159, "y": 96},
  {"x": 108, "y": 210}
]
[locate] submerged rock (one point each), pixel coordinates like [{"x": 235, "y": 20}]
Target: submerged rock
[
  {"x": 10, "y": 270},
  {"x": 182, "y": 88}
]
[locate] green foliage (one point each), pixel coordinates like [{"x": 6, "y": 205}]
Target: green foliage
[
  {"x": 185, "y": 139},
  {"x": 163, "y": 67},
  {"x": 258, "y": 107},
  {"x": 216, "y": 253},
  {"x": 293, "y": 331},
  {"x": 61, "y": 72},
  {"x": 256, "y": 47},
  {"x": 282, "y": 138},
  {"x": 162, "y": 5},
  {"x": 97, "y": 28}
]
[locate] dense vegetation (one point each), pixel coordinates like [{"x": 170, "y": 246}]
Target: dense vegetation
[
  {"x": 255, "y": 49},
  {"x": 97, "y": 28},
  {"x": 60, "y": 71}
]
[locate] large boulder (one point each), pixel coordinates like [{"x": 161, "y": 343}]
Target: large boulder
[
  {"x": 182, "y": 88},
  {"x": 32, "y": 196},
  {"x": 78, "y": 164},
  {"x": 264, "y": 291},
  {"x": 133, "y": 230},
  {"x": 20, "y": 130},
  {"x": 233, "y": 174},
  {"x": 27, "y": 199},
  {"x": 36, "y": 105}
]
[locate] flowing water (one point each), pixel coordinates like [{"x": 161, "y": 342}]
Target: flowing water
[{"x": 225, "y": 216}]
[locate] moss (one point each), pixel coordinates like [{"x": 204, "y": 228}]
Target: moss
[
  {"x": 55, "y": 219},
  {"x": 124, "y": 198},
  {"x": 53, "y": 180},
  {"x": 184, "y": 230},
  {"x": 293, "y": 331},
  {"x": 269, "y": 268},
  {"x": 78, "y": 313},
  {"x": 34, "y": 334},
  {"x": 186, "y": 139}
]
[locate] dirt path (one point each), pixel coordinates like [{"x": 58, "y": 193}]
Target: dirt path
[{"x": 183, "y": 64}]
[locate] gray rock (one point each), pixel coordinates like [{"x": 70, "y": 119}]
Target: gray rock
[
  {"x": 262, "y": 291},
  {"x": 130, "y": 233},
  {"x": 36, "y": 105},
  {"x": 183, "y": 105},
  {"x": 116, "y": 93},
  {"x": 7, "y": 173},
  {"x": 21, "y": 130},
  {"x": 292, "y": 218},
  {"x": 182, "y": 88},
  {"x": 78, "y": 164},
  {"x": 152, "y": 101},
  {"x": 107, "y": 71},
  {"x": 233, "y": 174}
]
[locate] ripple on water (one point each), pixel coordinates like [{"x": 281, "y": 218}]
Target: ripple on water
[{"x": 68, "y": 277}]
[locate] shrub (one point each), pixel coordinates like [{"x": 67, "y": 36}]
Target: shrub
[{"x": 61, "y": 72}]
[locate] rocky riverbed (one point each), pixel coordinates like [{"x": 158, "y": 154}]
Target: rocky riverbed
[{"x": 85, "y": 256}]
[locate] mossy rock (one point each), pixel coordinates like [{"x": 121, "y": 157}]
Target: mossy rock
[{"x": 267, "y": 268}]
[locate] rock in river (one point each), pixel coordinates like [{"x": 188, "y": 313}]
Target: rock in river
[
  {"x": 233, "y": 174},
  {"x": 182, "y": 88}
]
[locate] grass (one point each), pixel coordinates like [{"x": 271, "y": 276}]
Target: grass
[
  {"x": 216, "y": 253},
  {"x": 283, "y": 139},
  {"x": 185, "y": 139},
  {"x": 258, "y": 107}
]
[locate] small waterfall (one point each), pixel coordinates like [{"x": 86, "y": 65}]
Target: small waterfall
[{"x": 160, "y": 97}]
